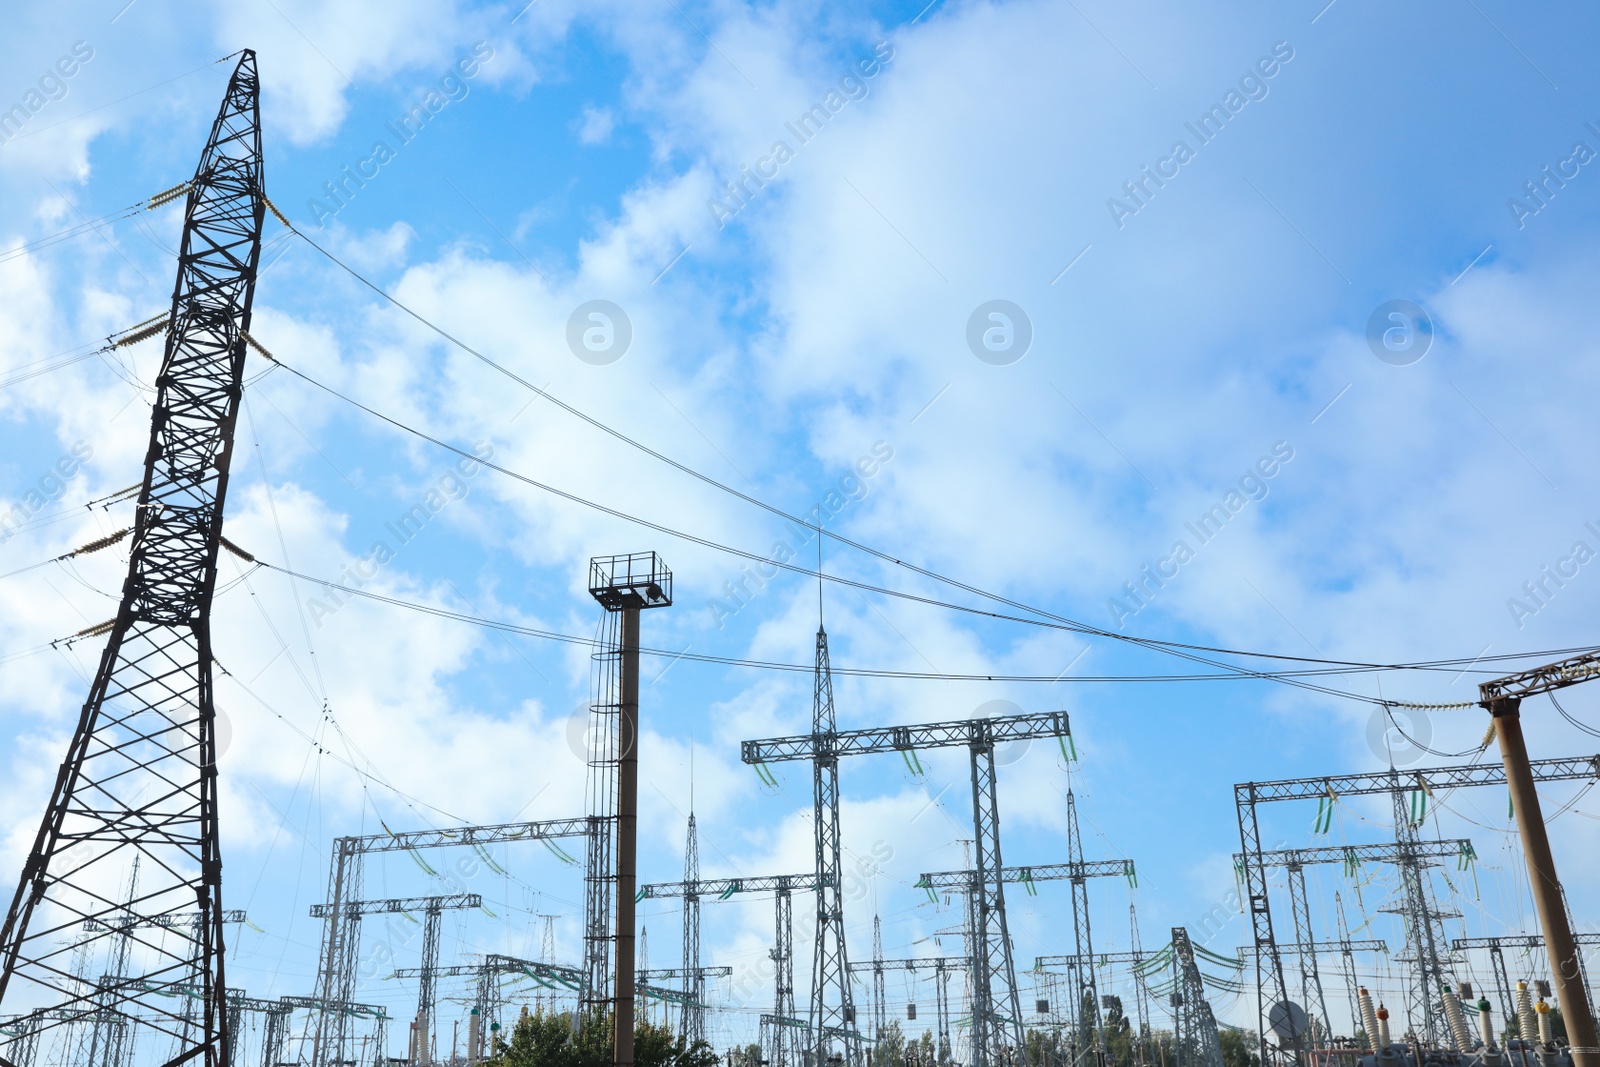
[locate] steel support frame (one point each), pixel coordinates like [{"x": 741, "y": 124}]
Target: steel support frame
[
  {"x": 140, "y": 775},
  {"x": 832, "y": 1012}
]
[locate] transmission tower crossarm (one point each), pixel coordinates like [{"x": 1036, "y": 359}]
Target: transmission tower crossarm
[
  {"x": 399, "y": 905},
  {"x": 908, "y": 738},
  {"x": 726, "y": 887},
  {"x": 500, "y": 834},
  {"x": 1522, "y": 941},
  {"x": 1369, "y": 783},
  {"x": 1381, "y": 852},
  {"x": 1039, "y": 872}
]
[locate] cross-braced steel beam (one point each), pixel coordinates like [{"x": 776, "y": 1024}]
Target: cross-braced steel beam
[{"x": 139, "y": 780}]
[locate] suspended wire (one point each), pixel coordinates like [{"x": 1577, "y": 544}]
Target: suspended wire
[
  {"x": 1182, "y": 651},
  {"x": 1061, "y": 622},
  {"x": 1591, "y": 731},
  {"x": 1388, "y": 712},
  {"x": 734, "y": 661}
]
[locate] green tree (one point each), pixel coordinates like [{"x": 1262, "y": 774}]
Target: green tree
[
  {"x": 890, "y": 1048},
  {"x": 563, "y": 1039},
  {"x": 1239, "y": 1048}
]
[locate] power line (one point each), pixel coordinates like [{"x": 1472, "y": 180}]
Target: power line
[
  {"x": 1326, "y": 667},
  {"x": 1061, "y": 622},
  {"x": 806, "y": 668}
]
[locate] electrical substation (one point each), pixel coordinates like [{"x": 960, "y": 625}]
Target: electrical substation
[{"x": 1352, "y": 948}]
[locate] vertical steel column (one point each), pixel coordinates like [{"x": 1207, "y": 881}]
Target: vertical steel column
[
  {"x": 627, "y": 837},
  {"x": 1423, "y": 926},
  {"x": 1305, "y": 941},
  {"x": 783, "y": 1052},
  {"x": 1269, "y": 964},
  {"x": 1349, "y": 959},
  {"x": 428, "y": 981},
  {"x": 693, "y": 1025},
  {"x": 996, "y": 1017},
  {"x": 830, "y": 967},
  {"x": 1086, "y": 1009},
  {"x": 879, "y": 1000}
]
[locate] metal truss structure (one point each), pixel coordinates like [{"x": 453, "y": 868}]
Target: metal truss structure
[
  {"x": 433, "y": 909},
  {"x": 341, "y": 935},
  {"x": 785, "y": 1051},
  {"x": 1086, "y": 1020},
  {"x": 1425, "y": 932},
  {"x": 1272, "y": 989},
  {"x": 940, "y": 967},
  {"x": 1198, "y": 1042},
  {"x": 139, "y": 780},
  {"x": 1527, "y": 943},
  {"x": 997, "y": 1023}
]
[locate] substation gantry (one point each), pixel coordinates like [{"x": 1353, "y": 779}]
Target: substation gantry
[
  {"x": 783, "y": 1049},
  {"x": 1527, "y": 943},
  {"x": 341, "y": 935},
  {"x": 433, "y": 909},
  {"x": 1272, "y": 990},
  {"x": 996, "y": 1018},
  {"x": 1423, "y": 917}
]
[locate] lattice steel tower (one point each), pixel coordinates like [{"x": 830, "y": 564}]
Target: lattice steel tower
[
  {"x": 139, "y": 781},
  {"x": 833, "y": 1013},
  {"x": 693, "y": 1027}
]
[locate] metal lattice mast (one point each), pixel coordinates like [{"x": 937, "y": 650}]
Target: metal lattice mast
[
  {"x": 428, "y": 981},
  {"x": 880, "y": 1007},
  {"x": 1271, "y": 989},
  {"x": 336, "y": 967},
  {"x": 1199, "y": 1027},
  {"x": 824, "y": 747},
  {"x": 1424, "y": 930},
  {"x": 346, "y": 915},
  {"x": 1347, "y": 957},
  {"x": 140, "y": 776},
  {"x": 1249, "y": 795},
  {"x": 832, "y": 1008},
  {"x": 694, "y": 981},
  {"x": 1141, "y": 991},
  {"x": 1086, "y": 999},
  {"x": 784, "y": 1048},
  {"x": 111, "y": 1041},
  {"x": 599, "y": 880},
  {"x": 995, "y": 1012},
  {"x": 1305, "y": 941}
]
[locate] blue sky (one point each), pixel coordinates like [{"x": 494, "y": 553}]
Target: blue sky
[{"x": 1220, "y": 325}]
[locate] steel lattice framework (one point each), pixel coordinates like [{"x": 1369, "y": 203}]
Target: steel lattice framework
[
  {"x": 1413, "y": 856},
  {"x": 341, "y": 936},
  {"x": 942, "y": 968},
  {"x": 1197, "y": 1026},
  {"x": 433, "y": 909},
  {"x": 997, "y": 1020},
  {"x": 1272, "y": 989},
  {"x": 140, "y": 777},
  {"x": 784, "y": 1051},
  {"x": 830, "y": 962},
  {"x": 1078, "y": 871}
]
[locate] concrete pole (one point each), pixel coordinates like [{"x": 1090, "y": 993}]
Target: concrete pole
[
  {"x": 627, "y": 837},
  {"x": 1546, "y": 887}
]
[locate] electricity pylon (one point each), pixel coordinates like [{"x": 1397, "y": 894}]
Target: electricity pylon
[
  {"x": 1272, "y": 990},
  {"x": 140, "y": 778},
  {"x": 996, "y": 1018},
  {"x": 433, "y": 909},
  {"x": 782, "y": 1052},
  {"x": 341, "y": 935}
]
